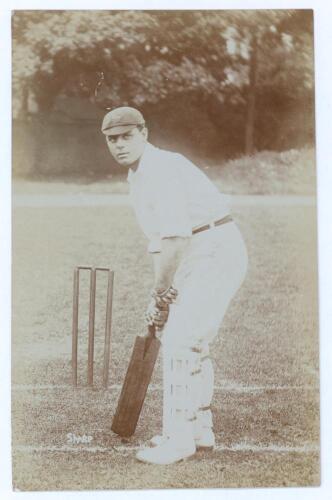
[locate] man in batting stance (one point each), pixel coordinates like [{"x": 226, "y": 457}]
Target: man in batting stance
[{"x": 200, "y": 261}]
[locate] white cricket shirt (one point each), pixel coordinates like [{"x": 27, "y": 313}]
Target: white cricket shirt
[{"x": 171, "y": 196}]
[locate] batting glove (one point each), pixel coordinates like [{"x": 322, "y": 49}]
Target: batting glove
[
  {"x": 167, "y": 296},
  {"x": 157, "y": 314}
]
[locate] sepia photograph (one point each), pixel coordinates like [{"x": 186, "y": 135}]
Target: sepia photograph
[{"x": 165, "y": 329}]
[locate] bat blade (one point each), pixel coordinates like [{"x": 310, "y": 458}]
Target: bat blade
[{"x": 137, "y": 379}]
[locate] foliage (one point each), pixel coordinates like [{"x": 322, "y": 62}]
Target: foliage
[
  {"x": 144, "y": 55},
  {"x": 269, "y": 173},
  {"x": 201, "y": 59}
]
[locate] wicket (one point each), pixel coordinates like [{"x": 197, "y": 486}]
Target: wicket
[{"x": 91, "y": 334}]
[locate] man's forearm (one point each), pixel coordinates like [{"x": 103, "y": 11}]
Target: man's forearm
[{"x": 167, "y": 262}]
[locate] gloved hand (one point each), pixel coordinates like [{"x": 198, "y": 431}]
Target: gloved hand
[
  {"x": 167, "y": 296},
  {"x": 157, "y": 314},
  {"x": 158, "y": 308}
]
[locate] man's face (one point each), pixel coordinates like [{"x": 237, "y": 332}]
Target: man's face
[{"x": 128, "y": 147}]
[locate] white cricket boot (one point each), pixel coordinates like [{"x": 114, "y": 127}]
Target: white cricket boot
[
  {"x": 203, "y": 432},
  {"x": 171, "y": 450},
  {"x": 204, "y": 439},
  {"x": 158, "y": 440}
]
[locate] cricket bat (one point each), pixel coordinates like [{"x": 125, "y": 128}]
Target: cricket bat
[{"x": 138, "y": 376}]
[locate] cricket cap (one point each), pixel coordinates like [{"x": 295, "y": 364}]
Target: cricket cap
[{"x": 121, "y": 120}]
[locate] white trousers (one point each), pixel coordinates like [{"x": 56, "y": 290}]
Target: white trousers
[{"x": 210, "y": 273}]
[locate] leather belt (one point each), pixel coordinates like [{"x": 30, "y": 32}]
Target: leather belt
[{"x": 219, "y": 222}]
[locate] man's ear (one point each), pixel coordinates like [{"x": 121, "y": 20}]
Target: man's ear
[{"x": 145, "y": 133}]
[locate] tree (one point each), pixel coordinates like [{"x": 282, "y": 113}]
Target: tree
[{"x": 229, "y": 64}]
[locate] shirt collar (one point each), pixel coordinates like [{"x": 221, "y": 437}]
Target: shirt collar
[{"x": 148, "y": 150}]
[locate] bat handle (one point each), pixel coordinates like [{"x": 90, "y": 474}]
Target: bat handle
[
  {"x": 150, "y": 336},
  {"x": 151, "y": 330}
]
